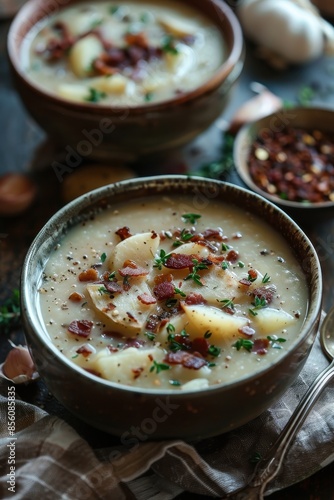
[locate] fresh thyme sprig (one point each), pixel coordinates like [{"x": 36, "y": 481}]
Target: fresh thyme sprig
[{"x": 10, "y": 312}]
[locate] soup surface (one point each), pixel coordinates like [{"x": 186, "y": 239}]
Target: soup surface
[
  {"x": 125, "y": 54},
  {"x": 152, "y": 294}
]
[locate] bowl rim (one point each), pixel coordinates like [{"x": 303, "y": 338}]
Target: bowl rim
[
  {"x": 241, "y": 147},
  {"x": 32, "y": 318},
  {"x": 233, "y": 64}
]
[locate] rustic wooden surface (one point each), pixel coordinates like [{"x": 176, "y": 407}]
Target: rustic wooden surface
[{"x": 24, "y": 148}]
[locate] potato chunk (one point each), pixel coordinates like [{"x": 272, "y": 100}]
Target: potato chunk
[
  {"x": 125, "y": 367},
  {"x": 141, "y": 248},
  {"x": 177, "y": 27},
  {"x": 83, "y": 53},
  {"x": 222, "y": 326},
  {"x": 73, "y": 92},
  {"x": 111, "y": 84},
  {"x": 270, "y": 320},
  {"x": 125, "y": 311}
]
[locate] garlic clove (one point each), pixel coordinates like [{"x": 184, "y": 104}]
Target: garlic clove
[
  {"x": 18, "y": 366},
  {"x": 17, "y": 192},
  {"x": 255, "y": 108}
]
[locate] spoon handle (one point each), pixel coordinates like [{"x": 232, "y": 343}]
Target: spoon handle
[{"x": 270, "y": 465}]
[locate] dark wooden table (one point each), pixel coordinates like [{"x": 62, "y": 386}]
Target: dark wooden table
[{"x": 24, "y": 148}]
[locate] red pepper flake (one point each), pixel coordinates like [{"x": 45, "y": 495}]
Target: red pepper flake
[
  {"x": 232, "y": 256},
  {"x": 76, "y": 297},
  {"x": 179, "y": 261},
  {"x": 164, "y": 290},
  {"x": 194, "y": 299},
  {"x": 260, "y": 346},
  {"x": 123, "y": 232},
  {"x": 146, "y": 298},
  {"x": 246, "y": 330},
  {"x": 193, "y": 361},
  {"x": 89, "y": 275},
  {"x": 82, "y": 328},
  {"x": 85, "y": 350}
]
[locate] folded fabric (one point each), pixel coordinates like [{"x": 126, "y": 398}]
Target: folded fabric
[{"x": 51, "y": 461}]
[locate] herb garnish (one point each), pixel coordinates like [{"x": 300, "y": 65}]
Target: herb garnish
[
  {"x": 170, "y": 328},
  {"x": 103, "y": 257},
  {"x": 192, "y": 218},
  {"x": 227, "y": 303},
  {"x": 266, "y": 278},
  {"x": 214, "y": 350},
  {"x": 148, "y": 96},
  {"x": 95, "y": 95},
  {"x": 150, "y": 336},
  {"x": 259, "y": 303},
  {"x": 177, "y": 290},
  {"x": 102, "y": 290},
  {"x": 10, "y": 312},
  {"x": 245, "y": 343},
  {"x": 207, "y": 334},
  {"x": 276, "y": 341},
  {"x": 183, "y": 238},
  {"x": 161, "y": 260},
  {"x": 175, "y": 382},
  {"x": 168, "y": 45},
  {"x": 113, "y": 9},
  {"x": 224, "y": 265},
  {"x": 194, "y": 274},
  {"x": 159, "y": 367},
  {"x": 170, "y": 303},
  {"x": 111, "y": 276},
  {"x": 225, "y": 247}
]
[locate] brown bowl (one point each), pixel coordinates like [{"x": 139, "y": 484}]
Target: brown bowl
[
  {"x": 300, "y": 117},
  {"x": 168, "y": 414},
  {"x": 98, "y": 131}
]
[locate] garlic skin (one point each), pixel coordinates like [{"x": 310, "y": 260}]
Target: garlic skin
[
  {"x": 18, "y": 367},
  {"x": 287, "y": 32},
  {"x": 259, "y": 106}
]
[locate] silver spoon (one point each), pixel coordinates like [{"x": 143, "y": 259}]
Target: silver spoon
[{"x": 268, "y": 468}]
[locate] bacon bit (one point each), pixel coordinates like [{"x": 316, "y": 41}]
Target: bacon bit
[
  {"x": 153, "y": 323},
  {"x": 102, "y": 68},
  {"x": 232, "y": 256},
  {"x": 112, "y": 335},
  {"x": 93, "y": 372},
  {"x": 186, "y": 359},
  {"x": 147, "y": 299},
  {"x": 150, "y": 357},
  {"x": 179, "y": 261},
  {"x": 201, "y": 345},
  {"x": 246, "y": 330},
  {"x": 154, "y": 235},
  {"x": 113, "y": 286},
  {"x": 112, "y": 348},
  {"x": 85, "y": 350},
  {"x": 245, "y": 282},
  {"x": 216, "y": 259},
  {"x": 137, "y": 372},
  {"x": 161, "y": 278},
  {"x": 260, "y": 346},
  {"x": 253, "y": 274},
  {"x": 265, "y": 292},
  {"x": 164, "y": 290},
  {"x": 194, "y": 299},
  {"x": 109, "y": 307},
  {"x": 131, "y": 271},
  {"x": 82, "y": 328},
  {"x": 123, "y": 232},
  {"x": 131, "y": 317},
  {"x": 139, "y": 39},
  {"x": 213, "y": 234},
  {"x": 76, "y": 297},
  {"x": 137, "y": 343},
  {"x": 89, "y": 275}
]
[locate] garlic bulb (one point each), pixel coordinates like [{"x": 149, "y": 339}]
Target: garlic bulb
[
  {"x": 288, "y": 31},
  {"x": 18, "y": 366}
]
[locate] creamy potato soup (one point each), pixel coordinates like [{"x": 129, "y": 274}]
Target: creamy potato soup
[
  {"x": 123, "y": 53},
  {"x": 154, "y": 295}
]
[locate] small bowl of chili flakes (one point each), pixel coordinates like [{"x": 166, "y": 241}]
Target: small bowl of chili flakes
[{"x": 288, "y": 157}]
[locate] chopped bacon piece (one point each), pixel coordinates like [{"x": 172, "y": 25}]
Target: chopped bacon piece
[
  {"x": 245, "y": 282},
  {"x": 112, "y": 348},
  {"x": 146, "y": 298},
  {"x": 265, "y": 292},
  {"x": 137, "y": 372},
  {"x": 137, "y": 343},
  {"x": 194, "y": 299},
  {"x": 123, "y": 233},
  {"x": 246, "y": 330},
  {"x": 131, "y": 317},
  {"x": 186, "y": 359},
  {"x": 201, "y": 345},
  {"x": 93, "y": 372},
  {"x": 133, "y": 271},
  {"x": 153, "y": 323},
  {"x": 154, "y": 235},
  {"x": 76, "y": 297},
  {"x": 109, "y": 307},
  {"x": 85, "y": 350},
  {"x": 113, "y": 286},
  {"x": 139, "y": 39},
  {"x": 82, "y": 328},
  {"x": 252, "y": 274},
  {"x": 89, "y": 275},
  {"x": 164, "y": 290},
  {"x": 213, "y": 234},
  {"x": 160, "y": 278},
  {"x": 232, "y": 256},
  {"x": 179, "y": 261},
  {"x": 216, "y": 259},
  {"x": 260, "y": 346}
]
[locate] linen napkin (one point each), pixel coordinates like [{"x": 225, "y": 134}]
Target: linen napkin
[{"x": 51, "y": 460}]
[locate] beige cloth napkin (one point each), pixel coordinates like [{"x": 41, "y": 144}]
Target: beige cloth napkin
[{"x": 53, "y": 462}]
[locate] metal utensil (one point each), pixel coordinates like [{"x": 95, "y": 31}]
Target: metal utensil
[{"x": 268, "y": 468}]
